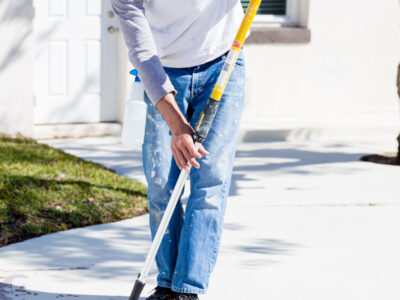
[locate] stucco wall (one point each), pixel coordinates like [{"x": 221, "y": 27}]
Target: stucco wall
[
  {"x": 16, "y": 67},
  {"x": 349, "y": 67}
]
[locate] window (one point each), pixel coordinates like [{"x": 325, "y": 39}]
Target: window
[
  {"x": 268, "y": 7},
  {"x": 280, "y": 21},
  {"x": 273, "y": 13}
]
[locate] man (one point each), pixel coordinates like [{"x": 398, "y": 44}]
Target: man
[{"x": 179, "y": 48}]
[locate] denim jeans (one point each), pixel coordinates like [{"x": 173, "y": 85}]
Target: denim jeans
[{"x": 188, "y": 251}]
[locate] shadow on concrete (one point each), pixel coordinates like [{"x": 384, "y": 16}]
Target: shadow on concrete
[
  {"x": 14, "y": 292},
  {"x": 257, "y": 253},
  {"x": 292, "y": 161},
  {"x": 267, "y": 247},
  {"x": 74, "y": 249},
  {"x": 297, "y": 157},
  {"x": 261, "y": 249},
  {"x": 262, "y": 252}
]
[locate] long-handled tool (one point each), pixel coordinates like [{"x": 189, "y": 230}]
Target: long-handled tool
[{"x": 202, "y": 127}]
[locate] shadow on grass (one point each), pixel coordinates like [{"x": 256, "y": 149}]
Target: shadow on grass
[
  {"x": 15, "y": 182},
  {"x": 33, "y": 206}
]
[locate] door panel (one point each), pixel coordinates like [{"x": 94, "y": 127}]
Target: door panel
[{"x": 75, "y": 61}]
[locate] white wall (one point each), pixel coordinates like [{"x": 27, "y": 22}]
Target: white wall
[
  {"x": 124, "y": 78},
  {"x": 349, "y": 67},
  {"x": 16, "y": 67}
]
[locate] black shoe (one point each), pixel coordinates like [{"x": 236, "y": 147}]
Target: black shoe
[
  {"x": 184, "y": 296},
  {"x": 161, "y": 293}
]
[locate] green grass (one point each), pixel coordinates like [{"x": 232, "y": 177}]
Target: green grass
[{"x": 44, "y": 190}]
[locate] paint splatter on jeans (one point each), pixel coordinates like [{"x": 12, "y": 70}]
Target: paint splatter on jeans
[{"x": 189, "y": 249}]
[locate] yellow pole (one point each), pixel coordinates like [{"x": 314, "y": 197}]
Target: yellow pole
[{"x": 235, "y": 49}]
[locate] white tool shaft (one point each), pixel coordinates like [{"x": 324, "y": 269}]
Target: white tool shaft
[{"x": 165, "y": 220}]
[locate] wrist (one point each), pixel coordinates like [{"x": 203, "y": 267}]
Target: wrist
[
  {"x": 171, "y": 113},
  {"x": 181, "y": 128}
]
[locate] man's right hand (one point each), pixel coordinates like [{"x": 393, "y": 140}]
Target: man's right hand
[{"x": 182, "y": 144}]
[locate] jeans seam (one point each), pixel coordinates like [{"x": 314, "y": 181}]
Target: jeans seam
[
  {"x": 218, "y": 240},
  {"x": 191, "y": 88}
]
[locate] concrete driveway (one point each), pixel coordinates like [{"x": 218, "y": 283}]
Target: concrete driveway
[{"x": 305, "y": 220}]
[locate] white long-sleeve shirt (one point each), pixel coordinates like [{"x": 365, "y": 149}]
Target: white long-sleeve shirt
[{"x": 175, "y": 33}]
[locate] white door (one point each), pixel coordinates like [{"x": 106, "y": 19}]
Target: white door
[{"x": 76, "y": 48}]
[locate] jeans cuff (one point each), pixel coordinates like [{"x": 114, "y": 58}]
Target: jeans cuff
[
  {"x": 163, "y": 283},
  {"x": 188, "y": 290}
]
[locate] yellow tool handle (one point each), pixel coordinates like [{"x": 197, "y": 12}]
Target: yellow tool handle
[
  {"x": 246, "y": 23},
  {"x": 235, "y": 49},
  {"x": 206, "y": 117}
]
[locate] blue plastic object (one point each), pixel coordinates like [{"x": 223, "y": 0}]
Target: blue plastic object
[{"x": 135, "y": 72}]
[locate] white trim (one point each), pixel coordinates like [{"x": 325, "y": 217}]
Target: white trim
[
  {"x": 290, "y": 19},
  {"x": 269, "y": 20},
  {"x": 77, "y": 130},
  {"x": 292, "y": 12}
]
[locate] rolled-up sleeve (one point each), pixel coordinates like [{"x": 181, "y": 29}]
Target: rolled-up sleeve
[{"x": 142, "y": 48}]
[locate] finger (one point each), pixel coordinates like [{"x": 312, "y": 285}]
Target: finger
[
  {"x": 191, "y": 149},
  {"x": 190, "y": 158},
  {"x": 185, "y": 152},
  {"x": 203, "y": 151},
  {"x": 194, "y": 163},
  {"x": 179, "y": 159},
  {"x": 175, "y": 156}
]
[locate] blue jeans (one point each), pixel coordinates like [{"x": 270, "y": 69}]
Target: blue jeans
[{"x": 189, "y": 248}]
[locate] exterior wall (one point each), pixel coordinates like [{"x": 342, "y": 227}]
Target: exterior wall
[
  {"x": 16, "y": 67},
  {"x": 124, "y": 78},
  {"x": 348, "y": 68}
]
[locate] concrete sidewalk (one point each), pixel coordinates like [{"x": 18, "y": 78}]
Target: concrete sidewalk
[{"x": 305, "y": 220}]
